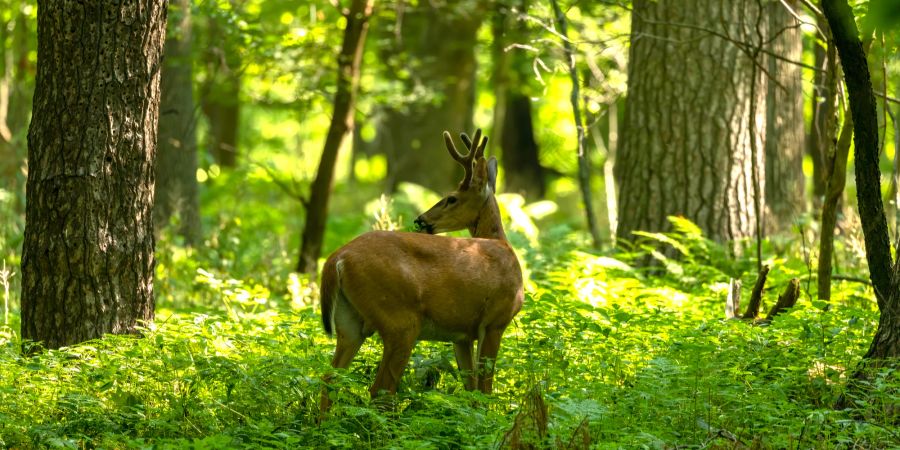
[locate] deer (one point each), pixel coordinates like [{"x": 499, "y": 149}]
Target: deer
[{"x": 415, "y": 286}]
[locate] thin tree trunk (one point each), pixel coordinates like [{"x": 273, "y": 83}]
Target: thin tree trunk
[
  {"x": 824, "y": 122},
  {"x": 895, "y": 177},
  {"x": 349, "y": 61},
  {"x": 176, "y": 162},
  {"x": 609, "y": 177},
  {"x": 584, "y": 168},
  {"x": 836, "y": 182},
  {"x": 15, "y": 89},
  {"x": 8, "y": 157},
  {"x": 87, "y": 262},
  {"x": 882, "y": 270}
]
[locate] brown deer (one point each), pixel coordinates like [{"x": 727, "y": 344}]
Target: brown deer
[{"x": 412, "y": 286}]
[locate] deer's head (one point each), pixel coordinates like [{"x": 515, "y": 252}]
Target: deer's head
[{"x": 461, "y": 208}]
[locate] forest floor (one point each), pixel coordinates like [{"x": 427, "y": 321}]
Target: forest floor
[{"x": 603, "y": 354}]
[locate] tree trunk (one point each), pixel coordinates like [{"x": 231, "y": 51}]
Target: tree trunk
[
  {"x": 824, "y": 123},
  {"x": 349, "y": 61},
  {"x": 523, "y": 173},
  {"x": 176, "y": 162},
  {"x": 686, "y": 140},
  {"x": 785, "y": 183},
  {"x": 886, "y": 343},
  {"x": 512, "y": 114},
  {"x": 435, "y": 44},
  {"x": 87, "y": 262},
  {"x": 221, "y": 95},
  {"x": 836, "y": 182}
]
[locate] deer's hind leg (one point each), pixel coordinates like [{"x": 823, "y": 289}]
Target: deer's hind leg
[
  {"x": 350, "y": 331},
  {"x": 466, "y": 363},
  {"x": 488, "y": 348}
]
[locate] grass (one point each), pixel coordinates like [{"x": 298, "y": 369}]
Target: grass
[{"x": 633, "y": 358}]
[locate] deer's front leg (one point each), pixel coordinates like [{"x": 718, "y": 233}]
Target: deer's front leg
[{"x": 398, "y": 346}]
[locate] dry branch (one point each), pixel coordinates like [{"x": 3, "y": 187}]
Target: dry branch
[
  {"x": 786, "y": 300},
  {"x": 756, "y": 296}
]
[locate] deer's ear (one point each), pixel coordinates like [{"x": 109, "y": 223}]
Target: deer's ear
[{"x": 492, "y": 173}]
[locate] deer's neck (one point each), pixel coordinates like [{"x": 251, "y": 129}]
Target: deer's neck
[{"x": 488, "y": 224}]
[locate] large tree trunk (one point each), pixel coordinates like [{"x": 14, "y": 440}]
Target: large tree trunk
[
  {"x": 686, "y": 142},
  {"x": 435, "y": 44},
  {"x": 785, "y": 183},
  {"x": 349, "y": 61},
  {"x": 176, "y": 162},
  {"x": 512, "y": 113},
  {"x": 886, "y": 343},
  {"x": 87, "y": 262}
]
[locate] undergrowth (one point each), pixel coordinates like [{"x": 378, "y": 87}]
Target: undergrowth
[{"x": 620, "y": 356}]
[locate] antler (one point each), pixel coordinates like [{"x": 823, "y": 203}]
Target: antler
[
  {"x": 479, "y": 151},
  {"x": 466, "y": 161}
]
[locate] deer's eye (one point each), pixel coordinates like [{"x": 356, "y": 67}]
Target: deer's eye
[{"x": 451, "y": 200}]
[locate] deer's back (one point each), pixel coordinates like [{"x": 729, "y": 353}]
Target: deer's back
[{"x": 453, "y": 285}]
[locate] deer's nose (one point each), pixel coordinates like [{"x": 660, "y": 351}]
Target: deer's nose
[{"x": 422, "y": 225}]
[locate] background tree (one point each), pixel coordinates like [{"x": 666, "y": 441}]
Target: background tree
[
  {"x": 349, "y": 61},
  {"x": 16, "y": 84},
  {"x": 176, "y": 162},
  {"x": 220, "y": 92},
  {"x": 87, "y": 261},
  {"x": 430, "y": 52},
  {"x": 512, "y": 80},
  {"x": 686, "y": 140},
  {"x": 784, "y": 148}
]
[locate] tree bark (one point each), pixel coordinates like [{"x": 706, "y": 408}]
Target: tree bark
[
  {"x": 882, "y": 270},
  {"x": 87, "y": 262},
  {"x": 513, "y": 113},
  {"x": 176, "y": 162},
  {"x": 349, "y": 61},
  {"x": 686, "y": 141},
  {"x": 433, "y": 48},
  {"x": 785, "y": 183}
]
